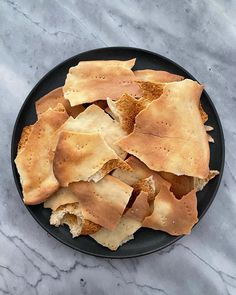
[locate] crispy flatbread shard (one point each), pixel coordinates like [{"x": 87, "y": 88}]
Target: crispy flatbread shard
[
  {"x": 70, "y": 215},
  {"x": 151, "y": 91},
  {"x": 208, "y": 128},
  {"x": 89, "y": 228},
  {"x": 78, "y": 156},
  {"x": 140, "y": 208},
  {"x": 92, "y": 120},
  {"x": 24, "y": 138},
  {"x": 61, "y": 197},
  {"x": 125, "y": 109},
  {"x": 34, "y": 162},
  {"x": 90, "y": 81},
  {"x": 176, "y": 217},
  {"x": 156, "y": 76},
  {"x": 103, "y": 202},
  {"x": 146, "y": 185},
  {"x": 108, "y": 167},
  {"x": 51, "y": 99},
  {"x": 204, "y": 115},
  {"x": 123, "y": 233},
  {"x": 139, "y": 172},
  {"x": 129, "y": 223},
  {"x": 180, "y": 185},
  {"x": 199, "y": 184},
  {"x": 172, "y": 127}
]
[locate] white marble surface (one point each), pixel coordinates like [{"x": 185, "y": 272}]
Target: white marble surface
[{"x": 37, "y": 35}]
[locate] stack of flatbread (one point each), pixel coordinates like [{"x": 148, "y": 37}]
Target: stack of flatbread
[{"x": 114, "y": 150}]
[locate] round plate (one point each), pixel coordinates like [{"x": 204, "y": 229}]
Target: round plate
[{"x": 146, "y": 240}]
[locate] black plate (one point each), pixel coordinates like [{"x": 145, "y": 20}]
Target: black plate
[{"x": 146, "y": 240}]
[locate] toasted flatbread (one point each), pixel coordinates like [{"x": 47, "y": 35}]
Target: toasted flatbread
[
  {"x": 156, "y": 76},
  {"x": 140, "y": 208},
  {"x": 61, "y": 197},
  {"x": 24, "y": 138},
  {"x": 90, "y": 81},
  {"x": 34, "y": 162},
  {"x": 103, "y": 202},
  {"x": 176, "y": 217},
  {"x": 51, "y": 99},
  {"x": 203, "y": 114},
  {"x": 146, "y": 185},
  {"x": 125, "y": 109},
  {"x": 70, "y": 215},
  {"x": 78, "y": 156},
  {"x": 180, "y": 185},
  {"x": 92, "y": 120},
  {"x": 139, "y": 172},
  {"x": 199, "y": 183},
  {"x": 123, "y": 233},
  {"x": 172, "y": 127}
]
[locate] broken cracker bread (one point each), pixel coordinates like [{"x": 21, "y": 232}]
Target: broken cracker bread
[
  {"x": 79, "y": 156},
  {"x": 34, "y": 161},
  {"x": 90, "y": 81},
  {"x": 51, "y": 99},
  {"x": 103, "y": 202},
  {"x": 176, "y": 217},
  {"x": 172, "y": 127}
]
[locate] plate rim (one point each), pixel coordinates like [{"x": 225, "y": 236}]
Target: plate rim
[{"x": 44, "y": 77}]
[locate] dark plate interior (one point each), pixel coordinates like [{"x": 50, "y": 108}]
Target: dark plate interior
[{"x": 146, "y": 241}]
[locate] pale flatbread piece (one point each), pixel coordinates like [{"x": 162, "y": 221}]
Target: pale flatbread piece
[
  {"x": 90, "y": 81},
  {"x": 172, "y": 127},
  {"x": 123, "y": 233},
  {"x": 176, "y": 217},
  {"x": 34, "y": 162},
  {"x": 155, "y": 76},
  {"x": 61, "y": 197},
  {"x": 51, "y": 99},
  {"x": 139, "y": 172},
  {"x": 92, "y": 120},
  {"x": 78, "y": 156},
  {"x": 103, "y": 202}
]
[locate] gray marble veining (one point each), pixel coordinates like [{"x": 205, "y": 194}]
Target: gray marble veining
[{"x": 37, "y": 35}]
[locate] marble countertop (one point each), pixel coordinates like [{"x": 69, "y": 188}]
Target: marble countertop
[{"x": 37, "y": 35}]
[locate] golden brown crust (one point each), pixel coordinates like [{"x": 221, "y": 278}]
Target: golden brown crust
[
  {"x": 34, "y": 162},
  {"x": 125, "y": 109},
  {"x": 203, "y": 114},
  {"x": 140, "y": 208},
  {"x": 176, "y": 217},
  {"x": 90, "y": 81},
  {"x": 151, "y": 91},
  {"x": 103, "y": 202},
  {"x": 146, "y": 185},
  {"x": 24, "y": 138},
  {"x": 79, "y": 156},
  {"x": 94, "y": 120},
  {"x": 89, "y": 227},
  {"x": 180, "y": 185},
  {"x": 172, "y": 127},
  {"x": 51, "y": 99},
  {"x": 108, "y": 167},
  {"x": 157, "y": 76}
]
